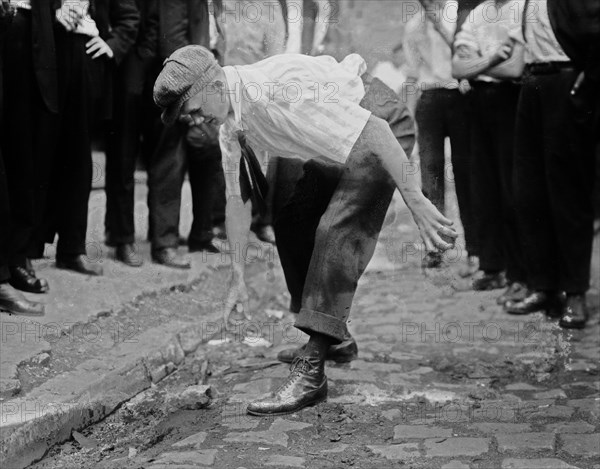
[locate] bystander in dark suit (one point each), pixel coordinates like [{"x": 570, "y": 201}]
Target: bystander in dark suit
[
  {"x": 30, "y": 107},
  {"x": 554, "y": 173},
  {"x": 86, "y": 57},
  {"x": 182, "y": 22},
  {"x": 11, "y": 300},
  {"x": 124, "y": 135}
]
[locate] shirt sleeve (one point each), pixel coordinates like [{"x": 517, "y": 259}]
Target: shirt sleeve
[
  {"x": 231, "y": 155},
  {"x": 411, "y": 48}
]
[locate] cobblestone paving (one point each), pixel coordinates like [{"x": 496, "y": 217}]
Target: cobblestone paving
[{"x": 444, "y": 380}]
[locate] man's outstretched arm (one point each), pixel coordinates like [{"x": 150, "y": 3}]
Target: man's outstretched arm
[
  {"x": 379, "y": 139},
  {"x": 237, "y": 223}
]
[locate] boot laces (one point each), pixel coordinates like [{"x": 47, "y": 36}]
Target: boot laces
[{"x": 299, "y": 365}]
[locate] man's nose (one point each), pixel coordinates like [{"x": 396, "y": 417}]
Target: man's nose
[{"x": 197, "y": 120}]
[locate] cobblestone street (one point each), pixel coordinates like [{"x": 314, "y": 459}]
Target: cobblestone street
[{"x": 444, "y": 379}]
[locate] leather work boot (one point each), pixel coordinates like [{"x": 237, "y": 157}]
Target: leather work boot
[
  {"x": 575, "y": 313},
  {"x": 126, "y": 253},
  {"x": 25, "y": 280},
  {"x": 489, "y": 281},
  {"x": 516, "y": 291},
  {"x": 306, "y": 385},
  {"x": 550, "y": 302},
  {"x": 343, "y": 352},
  {"x": 12, "y": 301}
]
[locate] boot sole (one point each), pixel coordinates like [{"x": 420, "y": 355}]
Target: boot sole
[
  {"x": 309, "y": 404},
  {"x": 317, "y": 400},
  {"x": 20, "y": 313}
]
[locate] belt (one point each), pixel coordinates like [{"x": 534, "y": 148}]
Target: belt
[{"x": 547, "y": 68}]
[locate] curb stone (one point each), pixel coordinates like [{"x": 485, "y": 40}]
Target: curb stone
[{"x": 31, "y": 425}]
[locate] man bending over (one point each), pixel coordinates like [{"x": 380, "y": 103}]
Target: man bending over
[{"x": 313, "y": 107}]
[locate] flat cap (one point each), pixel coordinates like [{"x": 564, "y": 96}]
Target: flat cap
[{"x": 185, "y": 73}]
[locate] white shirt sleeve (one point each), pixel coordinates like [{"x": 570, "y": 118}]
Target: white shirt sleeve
[{"x": 231, "y": 155}]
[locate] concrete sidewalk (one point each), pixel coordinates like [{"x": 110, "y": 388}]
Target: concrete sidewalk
[{"x": 75, "y": 299}]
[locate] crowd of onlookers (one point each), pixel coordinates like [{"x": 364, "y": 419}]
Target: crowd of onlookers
[
  {"x": 71, "y": 67},
  {"x": 512, "y": 84}
]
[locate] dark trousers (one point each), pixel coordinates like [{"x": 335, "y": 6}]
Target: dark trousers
[
  {"x": 72, "y": 163},
  {"x": 204, "y": 169},
  {"x": 4, "y": 221},
  {"x": 4, "y": 206},
  {"x": 554, "y": 170},
  {"x": 123, "y": 147},
  {"x": 166, "y": 172},
  {"x": 327, "y": 230},
  {"x": 27, "y": 138},
  {"x": 442, "y": 113},
  {"x": 492, "y": 137}
]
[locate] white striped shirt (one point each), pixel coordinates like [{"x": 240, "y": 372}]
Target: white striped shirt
[{"x": 293, "y": 106}]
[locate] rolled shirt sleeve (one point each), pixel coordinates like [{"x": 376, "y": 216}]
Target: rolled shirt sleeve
[{"x": 231, "y": 155}]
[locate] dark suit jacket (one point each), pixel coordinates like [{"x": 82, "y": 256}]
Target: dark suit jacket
[
  {"x": 577, "y": 28},
  {"x": 182, "y": 22},
  {"x": 117, "y": 22},
  {"x": 44, "y": 51}
]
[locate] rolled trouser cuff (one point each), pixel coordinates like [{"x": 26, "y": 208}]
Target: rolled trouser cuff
[{"x": 311, "y": 321}]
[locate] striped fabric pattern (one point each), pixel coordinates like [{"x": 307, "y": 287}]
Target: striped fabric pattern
[{"x": 295, "y": 105}]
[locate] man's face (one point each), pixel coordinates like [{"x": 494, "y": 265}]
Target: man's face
[{"x": 210, "y": 105}]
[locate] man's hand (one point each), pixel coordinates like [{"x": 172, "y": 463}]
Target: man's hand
[
  {"x": 464, "y": 86},
  {"x": 502, "y": 53},
  {"x": 237, "y": 299},
  {"x": 70, "y": 15},
  {"x": 98, "y": 47},
  {"x": 434, "y": 227}
]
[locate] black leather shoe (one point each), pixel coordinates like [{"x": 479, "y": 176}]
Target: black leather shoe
[
  {"x": 219, "y": 232},
  {"x": 25, "y": 280},
  {"x": 516, "y": 291},
  {"x": 170, "y": 258},
  {"x": 575, "y": 313},
  {"x": 13, "y": 302},
  {"x": 551, "y": 303},
  {"x": 206, "y": 246},
  {"x": 306, "y": 385},
  {"x": 79, "y": 264},
  {"x": 343, "y": 352},
  {"x": 127, "y": 255},
  {"x": 432, "y": 260},
  {"x": 265, "y": 234},
  {"x": 489, "y": 281}
]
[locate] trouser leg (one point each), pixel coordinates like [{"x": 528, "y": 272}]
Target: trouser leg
[
  {"x": 534, "y": 214},
  {"x": 203, "y": 170},
  {"x": 4, "y": 222},
  {"x": 570, "y": 176},
  {"x": 504, "y": 131},
  {"x": 430, "y": 135},
  {"x": 458, "y": 121},
  {"x": 25, "y": 138},
  {"x": 296, "y": 220},
  {"x": 486, "y": 178},
  {"x": 73, "y": 172},
  {"x": 123, "y": 145},
  {"x": 166, "y": 172},
  {"x": 344, "y": 244}
]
